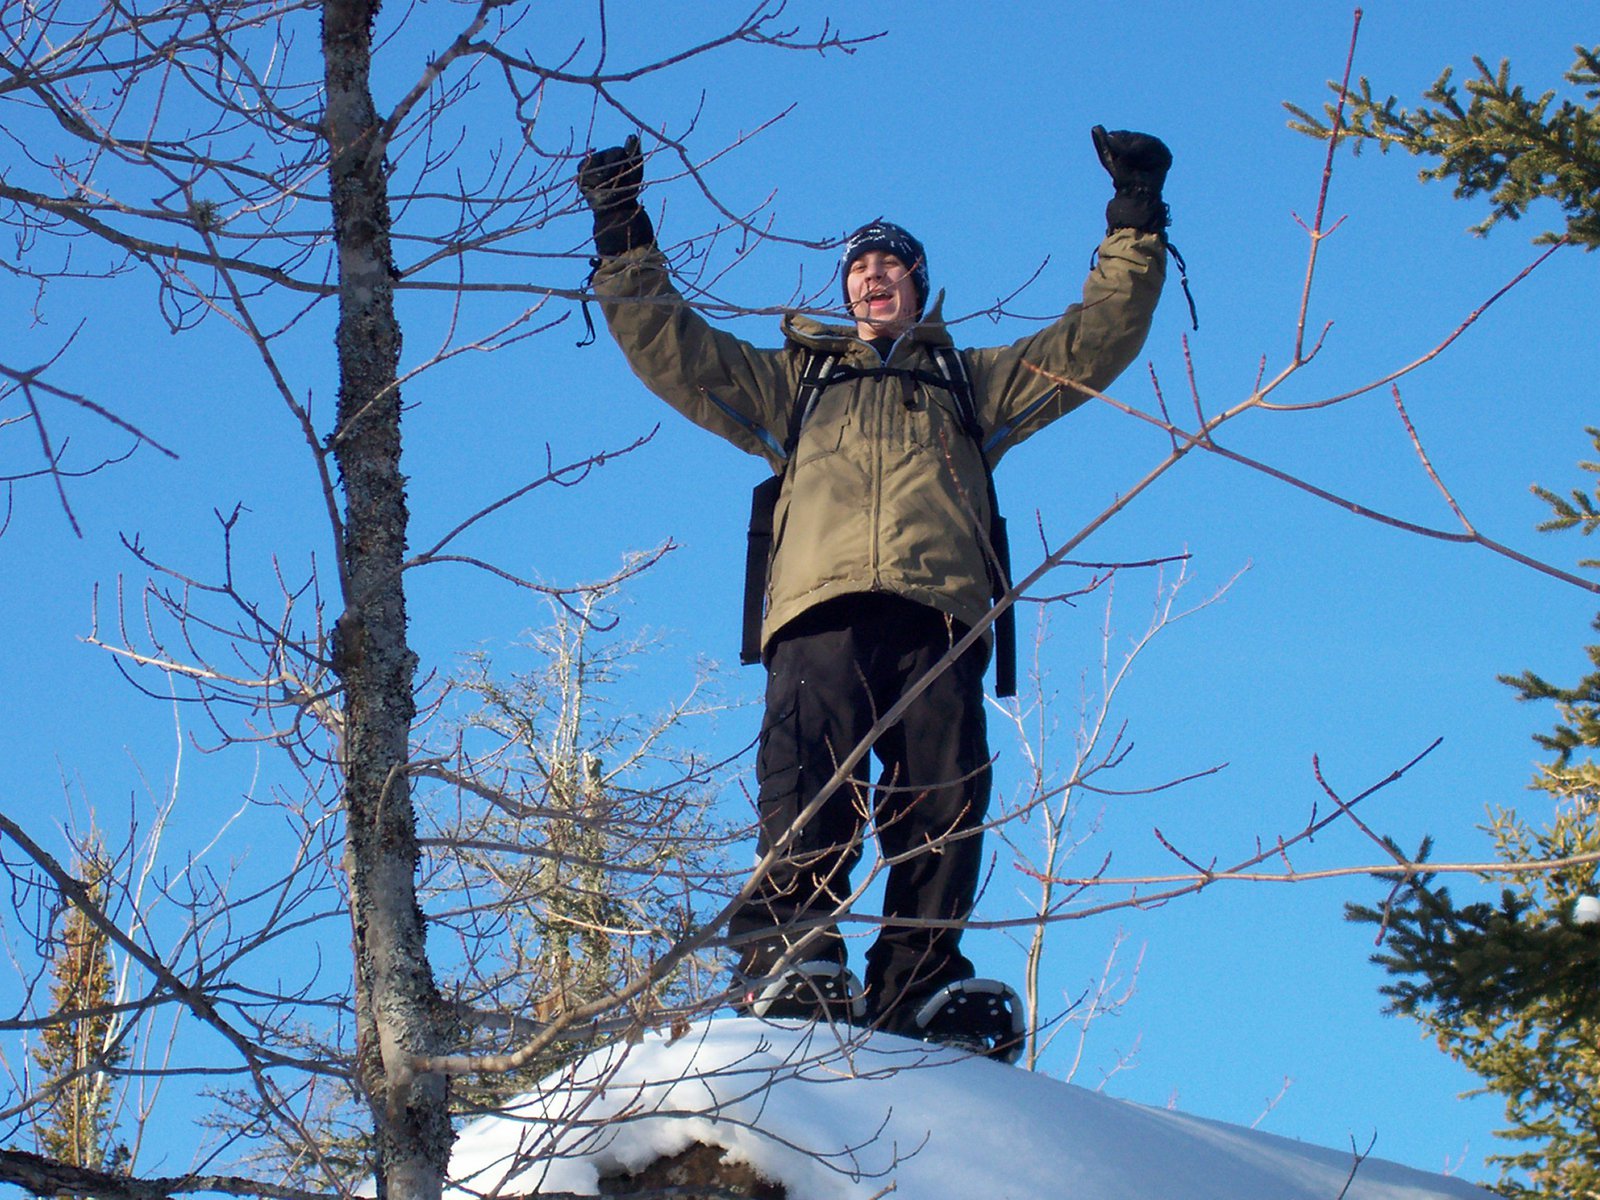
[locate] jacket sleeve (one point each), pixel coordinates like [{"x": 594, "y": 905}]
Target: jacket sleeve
[
  {"x": 1018, "y": 387},
  {"x": 719, "y": 382}
]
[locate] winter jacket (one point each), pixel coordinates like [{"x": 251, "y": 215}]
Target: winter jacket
[{"x": 886, "y": 492}]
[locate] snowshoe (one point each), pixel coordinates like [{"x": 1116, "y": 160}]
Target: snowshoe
[
  {"x": 983, "y": 1016},
  {"x": 826, "y": 991}
]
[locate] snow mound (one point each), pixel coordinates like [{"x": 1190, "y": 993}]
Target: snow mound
[{"x": 841, "y": 1115}]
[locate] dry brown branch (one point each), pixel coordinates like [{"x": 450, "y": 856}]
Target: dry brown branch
[
  {"x": 31, "y": 385},
  {"x": 46, "y": 1176},
  {"x": 1316, "y": 232}
]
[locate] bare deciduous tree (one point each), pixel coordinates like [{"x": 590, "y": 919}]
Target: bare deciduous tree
[
  {"x": 1050, "y": 819},
  {"x": 234, "y": 153},
  {"x": 234, "y": 157}
]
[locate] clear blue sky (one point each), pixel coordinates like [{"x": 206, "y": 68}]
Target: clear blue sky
[{"x": 969, "y": 125}]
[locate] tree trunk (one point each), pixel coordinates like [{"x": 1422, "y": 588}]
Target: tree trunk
[{"x": 398, "y": 1010}]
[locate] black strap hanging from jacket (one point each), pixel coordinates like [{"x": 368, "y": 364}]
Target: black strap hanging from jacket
[{"x": 816, "y": 376}]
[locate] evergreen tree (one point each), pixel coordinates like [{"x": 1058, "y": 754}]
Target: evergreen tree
[
  {"x": 629, "y": 853},
  {"x": 81, "y": 1044},
  {"x": 1501, "y": 143},
  {"x": 1512, "y": 989}
]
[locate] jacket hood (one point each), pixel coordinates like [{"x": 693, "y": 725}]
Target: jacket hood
[{"x": 811, "y": 334}]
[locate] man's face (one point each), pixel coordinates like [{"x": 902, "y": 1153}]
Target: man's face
[{"x": 883, "y": 297}]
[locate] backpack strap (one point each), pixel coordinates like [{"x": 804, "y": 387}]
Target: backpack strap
[
  {"x": 815, "y": 376},
  {"x": 819, "y": 371},
  {"x": 954, "y": 369}
]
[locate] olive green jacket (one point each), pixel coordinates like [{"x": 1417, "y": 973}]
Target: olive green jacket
[{"x": 886, "y": 492}]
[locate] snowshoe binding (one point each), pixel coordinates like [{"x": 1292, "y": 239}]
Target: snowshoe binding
[
  {"x": 981, "y": 1016},
  {"x": 824, "y": 991}
]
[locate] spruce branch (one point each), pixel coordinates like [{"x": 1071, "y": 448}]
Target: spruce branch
[{"x": 1498, "y": 142}]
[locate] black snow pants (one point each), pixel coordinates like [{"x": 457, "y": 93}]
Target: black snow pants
[{"x": 831, "y": 672}]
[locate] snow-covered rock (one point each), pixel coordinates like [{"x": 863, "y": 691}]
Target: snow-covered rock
[{"x": 839, "y": 1115}]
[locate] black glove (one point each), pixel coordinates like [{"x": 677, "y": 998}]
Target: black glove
[
  {"x": 610, "y": 181},
  {"x": 1138, "y": 165}
]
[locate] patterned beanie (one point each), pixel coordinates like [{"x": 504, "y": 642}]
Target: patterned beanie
[{"x": 890, "y": 239}]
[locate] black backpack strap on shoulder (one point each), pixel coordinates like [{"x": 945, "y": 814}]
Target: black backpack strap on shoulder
[
  {"x": 954, "y": 369},
  {"x": 815, "y": 376}
]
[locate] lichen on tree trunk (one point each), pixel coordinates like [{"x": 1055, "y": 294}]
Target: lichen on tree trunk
[{"x": 399, "y": 1013}]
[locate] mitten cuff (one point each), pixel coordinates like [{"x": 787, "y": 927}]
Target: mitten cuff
[
  {"x": 1137, "y": 208},
  {"x": 616, "y": 231}
]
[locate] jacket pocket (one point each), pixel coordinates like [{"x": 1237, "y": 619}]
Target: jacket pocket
[
  {"x": 819, "y": 439},
  {"x": 932, "y": 423}
]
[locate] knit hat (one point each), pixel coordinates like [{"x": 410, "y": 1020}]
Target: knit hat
[{"x": 890, "y": 239}]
